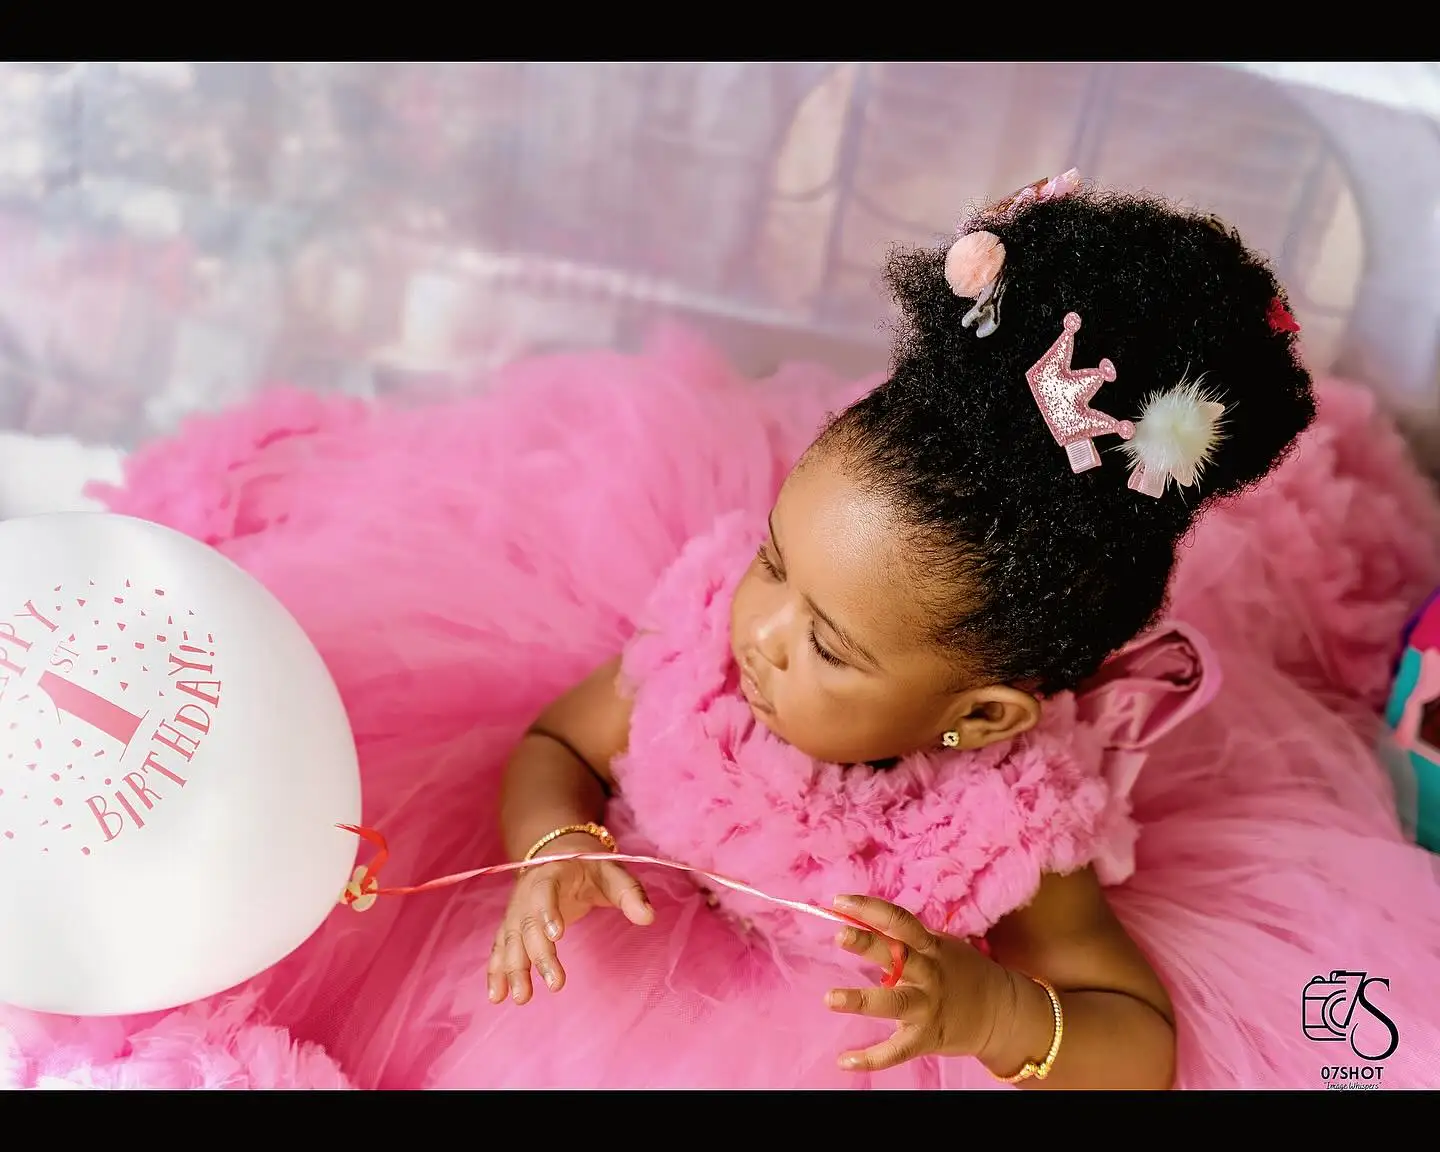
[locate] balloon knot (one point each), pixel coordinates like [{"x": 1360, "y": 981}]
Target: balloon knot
[
  {"x": 362, "y": 891},
  {"x": 364, "y": 887}
]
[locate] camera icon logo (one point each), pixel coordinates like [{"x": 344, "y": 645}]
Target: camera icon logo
[{"x": 1330, "y": 1004}]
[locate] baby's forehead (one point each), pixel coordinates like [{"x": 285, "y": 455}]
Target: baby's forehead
[{"x": 843, "y": 540}]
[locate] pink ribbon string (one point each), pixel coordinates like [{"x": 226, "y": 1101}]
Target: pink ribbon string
[{"x": 365, "y": 888}]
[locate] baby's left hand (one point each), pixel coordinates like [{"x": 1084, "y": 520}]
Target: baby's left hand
[{"x": 945, "y": 1002}]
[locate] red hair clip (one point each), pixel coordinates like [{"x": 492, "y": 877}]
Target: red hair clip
[{"x": 1280, "y": 317}]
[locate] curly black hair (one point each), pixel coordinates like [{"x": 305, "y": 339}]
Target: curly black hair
[{"x": 1046, "y": 572}]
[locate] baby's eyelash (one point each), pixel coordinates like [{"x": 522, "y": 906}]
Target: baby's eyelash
[
  {"x": 762, "y": 554},
  {"x": 828, "y": 657}
]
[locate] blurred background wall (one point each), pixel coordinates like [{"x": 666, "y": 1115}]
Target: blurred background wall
[{"x": 174, "y": 235}]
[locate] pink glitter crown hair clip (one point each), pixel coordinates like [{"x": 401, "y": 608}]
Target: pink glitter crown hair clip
[{"x": 1175, "y": 437}]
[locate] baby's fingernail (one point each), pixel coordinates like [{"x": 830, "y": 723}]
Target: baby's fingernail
[
  {"x": 549, "y": 977},
  {"x": 845, "y": 937},
  {"x": 835, "y": 999},
  {"x": 517, "y": 995},
  {"x": 845, "y": 901},
  {"x": 552, "y": 929}
]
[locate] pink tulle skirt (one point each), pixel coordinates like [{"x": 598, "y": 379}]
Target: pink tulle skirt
[{"x": 459, "y": 565}]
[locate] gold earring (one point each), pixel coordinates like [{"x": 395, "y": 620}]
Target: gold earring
[{"x": 951, "y": 739}]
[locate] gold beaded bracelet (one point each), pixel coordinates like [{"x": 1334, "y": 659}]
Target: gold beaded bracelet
[
  {"x": 599, "y": 831},
  {"x": 1042, "y": 1070}
]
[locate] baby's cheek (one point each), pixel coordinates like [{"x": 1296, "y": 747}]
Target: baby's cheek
[{"x": 839, "y": 714}]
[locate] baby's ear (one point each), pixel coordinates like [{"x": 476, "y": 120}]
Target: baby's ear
[
  {"x": 988, "y": 715},
  {"x": 1149, "y": 687}
]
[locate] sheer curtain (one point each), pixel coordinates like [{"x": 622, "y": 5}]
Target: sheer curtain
[{"x": 175, "y": 234}]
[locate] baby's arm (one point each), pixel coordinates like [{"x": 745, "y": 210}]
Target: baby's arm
[
  {"x": 557, "y": 778},
  {"x": 559, "y": 774},
  {"x": 1119, "y": 1023}
]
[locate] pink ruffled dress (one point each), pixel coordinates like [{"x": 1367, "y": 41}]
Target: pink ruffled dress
[{"x": 460, "y": 564}]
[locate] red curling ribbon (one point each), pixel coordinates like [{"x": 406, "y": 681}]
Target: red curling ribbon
[{"x": 366, "y": 883}]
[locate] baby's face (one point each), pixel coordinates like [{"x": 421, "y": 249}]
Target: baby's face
[{"x": 830, "y": 628}]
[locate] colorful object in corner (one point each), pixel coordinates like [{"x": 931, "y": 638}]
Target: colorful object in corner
[{"x": 1413, "y": 718}]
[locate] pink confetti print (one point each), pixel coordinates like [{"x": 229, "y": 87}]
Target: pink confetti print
[{"x": 127, "y": 675}]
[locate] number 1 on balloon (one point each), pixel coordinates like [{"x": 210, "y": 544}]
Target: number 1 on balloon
[{"x": 88, "y": 708}]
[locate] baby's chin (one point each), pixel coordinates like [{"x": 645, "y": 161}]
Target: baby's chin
[{"x": 817, "y": 750}]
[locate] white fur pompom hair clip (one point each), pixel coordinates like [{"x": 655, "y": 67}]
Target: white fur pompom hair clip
[{"x": 1175, "y": 438}]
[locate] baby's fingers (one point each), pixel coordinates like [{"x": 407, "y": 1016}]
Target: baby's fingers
[
  {"x": 541, "y": 949},
  {"x": 547, "y": 905},
  {"x": 625, "y": 893},
  {"x": 516, "y": 961},
  {"x": 496, "y": 985}
]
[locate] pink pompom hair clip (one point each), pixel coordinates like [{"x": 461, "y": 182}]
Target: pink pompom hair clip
[{"x": 975, "y": 263}]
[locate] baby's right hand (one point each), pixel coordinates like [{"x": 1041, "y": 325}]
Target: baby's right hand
[{"x": 546, "y": 899}]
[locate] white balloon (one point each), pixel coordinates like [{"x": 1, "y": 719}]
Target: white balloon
[{"x": 174, "y": 759}]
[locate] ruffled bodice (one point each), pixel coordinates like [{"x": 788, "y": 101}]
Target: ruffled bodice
[{"x": 961, "y": 838}]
